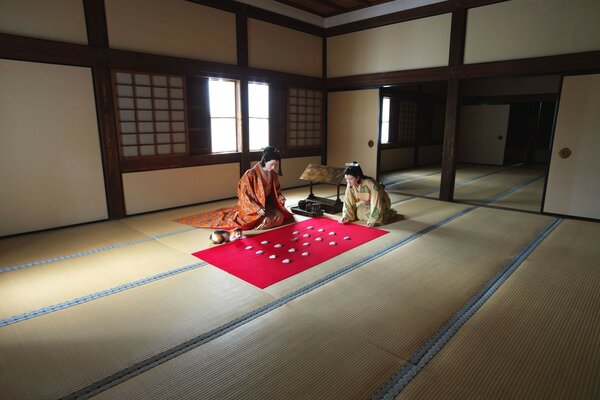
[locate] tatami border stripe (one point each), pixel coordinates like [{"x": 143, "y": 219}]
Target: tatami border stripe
[
  {"x": 93, "y": 251},
  {"x": 422, "y": 356},
  {"x": 513, "y": 189},
  {"x": 84, "y": 299},
  {"x": 145, "y": 365}
]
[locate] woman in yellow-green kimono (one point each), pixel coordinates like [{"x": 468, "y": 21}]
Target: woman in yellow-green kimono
[{"x": 365, "y": 198}]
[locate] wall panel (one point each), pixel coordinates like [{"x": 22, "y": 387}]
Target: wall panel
[
  {"x": 531, "y": 28},
  {"x": 167, "y": 188},
  {"x": 62, "y": 20},
  {"x": 420, "y": 43},
  {"x": 50, "y": 162},
  {"x": 173, "y": 28},
  {"x": 353, "y": 120},
  {"x": 277, "y": 48}
]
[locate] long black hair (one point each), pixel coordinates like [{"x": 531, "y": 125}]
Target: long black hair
[{"x": 271, "y": 153}]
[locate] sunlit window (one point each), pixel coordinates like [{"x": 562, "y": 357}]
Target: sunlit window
[
  {"x": 385, "y": 120},
  {"x": 258, "y": 112},
  {"x": 223, "y": 127}
]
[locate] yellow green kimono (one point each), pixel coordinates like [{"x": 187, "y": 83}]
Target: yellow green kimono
[{"x": 369, "y": 203}]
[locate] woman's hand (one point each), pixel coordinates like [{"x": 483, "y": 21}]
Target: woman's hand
[
  {"x": 343, "y": 220},
  {"x": 282, "y": 199}
]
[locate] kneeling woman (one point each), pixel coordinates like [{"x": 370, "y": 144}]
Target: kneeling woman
[
  {"x": 365, "y": 198},
  {"x": 260, "y": 202}
]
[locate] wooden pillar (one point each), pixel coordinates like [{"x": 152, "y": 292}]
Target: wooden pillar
[{"x": 455, "y": 58}]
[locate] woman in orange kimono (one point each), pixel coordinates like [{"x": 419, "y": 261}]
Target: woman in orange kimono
[{"x": 260, "y": 202}]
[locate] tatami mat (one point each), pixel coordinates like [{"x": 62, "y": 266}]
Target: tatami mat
[
  {"x": 55, "y": 354},
  {"x": 528, "y": 198},
  {"x": 342, "y": 338},
  {"x": 537, "y": 337},
  {"x": 400, "y": 300},
  {"x": 285, "y": 354},
  {"x": 60, "y": 242}
]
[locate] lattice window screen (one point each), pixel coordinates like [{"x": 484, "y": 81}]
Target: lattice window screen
[
  {"x": 151, "y": 114},
  {"x": 438, "y": 123},
  {"x": 305, "y": 110},
  {"x": 407, "y": 121}
]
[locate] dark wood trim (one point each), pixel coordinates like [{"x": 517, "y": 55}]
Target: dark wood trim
[
  {"x": 324, "y": 104},
  {"x": 263, "y": 15},
  {"x": 241, "y": 27},
  {"x": 284, "y": 78},
  {"x": 477, "y": 3},
  {"x": 450, "y": 139},
  {"x": 393, "y": 18},
  {"x": 288, "y": 153},
  {"x": 134, "y": 61},
  {"x": 95, "y": 23},
  {"x": 46, "y": 51},
  {"x": 458, "y": 31},
  {"x": 549, "y": 65},
  {"x": 525, "y": 98},
  {"x": 109, "y": 143},
  {"x": 157, "y": 163},
  {"x": 245, "y": 138},
  {"x": 376, "y": 80}
]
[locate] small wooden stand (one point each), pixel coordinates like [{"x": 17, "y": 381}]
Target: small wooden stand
[{"x": 314, "y": 205}]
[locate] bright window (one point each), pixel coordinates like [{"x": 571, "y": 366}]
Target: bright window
[
  {"x": 223, "y": 126},
  {"x": 385, "y": 120},
  {"x": 258, "y": 112}
]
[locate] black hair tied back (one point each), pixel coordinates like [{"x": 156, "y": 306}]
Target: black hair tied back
[
  {"x": 271, "y": 153},
  {"x": 353, "y": 168}
]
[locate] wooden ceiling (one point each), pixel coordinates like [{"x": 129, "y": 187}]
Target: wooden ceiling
[{"x": 329, "y": 8}]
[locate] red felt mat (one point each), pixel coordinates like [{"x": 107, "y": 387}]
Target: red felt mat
[{"x": 304, "y": 244}]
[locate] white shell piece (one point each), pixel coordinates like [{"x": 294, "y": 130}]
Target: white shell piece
[
  {"x": 259, "y": 252},
  {"x": 305, "y": 253},
  {"x": 309, "y": 227},
  {"x": 248, "y": 247},
  {"x": 294, "y": 239},
  {"x": 305, "y": 244},
  {"x": 306, "y": 235},
  {"x": 272, "y": 256},
  {"x": 332, "y": 243},
  {"x": 264, "y": 242},
  {"x": 331, "y": 233},
  {"x": 243, "y": 237},
  {"x": 292, "y": 250},
  {"x": 346, "y": 237},
  {"x": 287, "y": 261},
  {"x": 278, "y": 245},
  {"x": 321, "y": 230},
  {"x": 319, "y": 239},
  {"x": 296, "y": 232}
]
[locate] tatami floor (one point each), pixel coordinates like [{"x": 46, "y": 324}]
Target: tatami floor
[
  {"x": 456, "y": 302},
  {"x": 517, "y": 187}
]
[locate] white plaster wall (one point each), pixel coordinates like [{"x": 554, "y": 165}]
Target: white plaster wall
[
  {"x": 277, "y": 48},
  {"x": 62, "y": 20},
  {"x": 353, "y": 120},
  {"x": 531, "y": 28},
  {"x": 395, "y": 159},
  {"x": 50, "y": 161},
  {"x": 173, "y": 28},
  {"x": 420, "y": 43},
  {"x": 167, "y": 188}
]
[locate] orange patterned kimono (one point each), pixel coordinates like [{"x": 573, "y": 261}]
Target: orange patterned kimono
[{"x": 255, "y": 191}]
